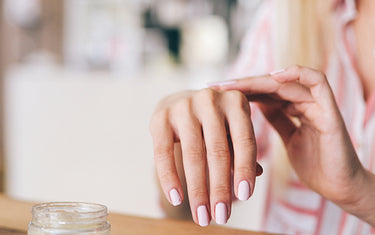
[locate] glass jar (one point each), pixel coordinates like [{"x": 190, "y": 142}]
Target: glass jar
[{"x": 69, "y": 218}]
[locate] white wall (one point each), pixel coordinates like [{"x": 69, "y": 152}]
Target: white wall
[{"x": 84, "y": 137}]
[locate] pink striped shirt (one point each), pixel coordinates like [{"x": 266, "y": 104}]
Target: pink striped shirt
[{"x": 300, "y": 210}]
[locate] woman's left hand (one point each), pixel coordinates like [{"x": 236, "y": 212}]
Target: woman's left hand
[{"x": 300, "y": 105}]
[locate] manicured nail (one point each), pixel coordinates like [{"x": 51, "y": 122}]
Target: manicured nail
[
  {"x": 175, "y": 197},
  {"x": 277, "y": 71},
  {"x": 221, "y": 213},
  {"x": 244, "y": 190},
  {"x": 203, "y": 218},
  {"x": 221, "y": 83}
]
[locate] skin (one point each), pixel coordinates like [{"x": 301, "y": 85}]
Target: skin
[
  {"x": 318, "y": 145},
  {"x": 216, "y": 135},
  {"x": 200, "y": 121}
]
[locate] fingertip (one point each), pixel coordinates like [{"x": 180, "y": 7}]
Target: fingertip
[
  {"x": 203, "y": 216},
  {"x": 175, "y": 198},
  {"x": 221, "y": 213},
  {"x": 244, "y": 190}
]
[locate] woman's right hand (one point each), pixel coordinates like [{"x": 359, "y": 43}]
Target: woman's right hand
[{"x": 218, "y": 143}]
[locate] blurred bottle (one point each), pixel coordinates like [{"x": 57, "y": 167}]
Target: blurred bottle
[
  {"x": 204, "y": 42},
  {"x": 24, "y": 13},
  {"x": 105, "y": 35},
  {"x": 193, "y": 29}
]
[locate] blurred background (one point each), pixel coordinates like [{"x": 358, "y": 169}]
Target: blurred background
[{"x": 80, "y": 80}]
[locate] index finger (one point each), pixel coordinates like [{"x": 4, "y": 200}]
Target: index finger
[
  {"x": 315, "y": 80},
  {"x": 292, "y": 91}
]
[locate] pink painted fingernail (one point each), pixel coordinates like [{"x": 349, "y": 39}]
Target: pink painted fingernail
[
  {"x": 203, "y": 218},
  {"x": 221, "y": 213},
  {"x": 277, "y": 71},
  {"x": 221, "y": 83},
  {"x": 175, "y": 197},
  {"x": 244, "y": 190}
]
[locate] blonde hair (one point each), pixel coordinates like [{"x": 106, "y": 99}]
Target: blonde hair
[
  {"x": 299, "y": 32},
  {"x": 303, "y": 38}
]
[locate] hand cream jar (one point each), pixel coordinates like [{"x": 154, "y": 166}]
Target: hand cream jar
[{"x": 68, "y": 218}]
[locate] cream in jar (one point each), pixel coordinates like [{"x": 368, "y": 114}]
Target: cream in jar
[{"x": 69, "y": 218}]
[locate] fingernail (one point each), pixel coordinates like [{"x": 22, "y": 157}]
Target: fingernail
[
  {"x": 221, "y": 83},
  {"x": 277, "y": 71},
  {"x": 244, "y": 190},
  {"x": 203, "y": 218},
  {"x": 175, "y": 197},
  {"x": 221, "y": 213}
]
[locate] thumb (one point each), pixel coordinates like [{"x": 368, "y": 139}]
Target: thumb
[{"x": 280, "y": 121}]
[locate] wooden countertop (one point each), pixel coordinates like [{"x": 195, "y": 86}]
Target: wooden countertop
[{"x": 15, "y": 216}]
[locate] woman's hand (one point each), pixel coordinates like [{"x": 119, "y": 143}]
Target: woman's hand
[
  {"x": 218, "y": 143},
  {"x": 300, "y": 105}
]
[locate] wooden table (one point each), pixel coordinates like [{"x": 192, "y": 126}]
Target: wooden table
[{"x": 15, "y": 216}]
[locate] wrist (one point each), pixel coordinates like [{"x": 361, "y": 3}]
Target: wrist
[
  {"x": 364, "y": 204},
  {"x": 369, "y": 204}
]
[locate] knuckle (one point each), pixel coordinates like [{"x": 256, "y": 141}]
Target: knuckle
[
  {"x": 206, "y": 97},
  {"x": 197, "y": 192},
  {"x": 237, "y": 99},
  {"x": 219, "y": 150},
  {"x": 165, "y": 177},
  {"x": 222, "y": 190},
  {"x": 182, "y": 106},
  {"x": 246, "y": 141},
  {"x": 321, "y": 76},
  {"x": 194, "y": 155},
  {"x": 235, "y": 95},
  {"x": 320, "y": 73},
  {"x": 245, "y": 171},
  {"x": 158, "y": 118},
  {"x": 162, "y": 154},
  {"x": 317, "y": 74},
  {"x": 207, "y": 93}
]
